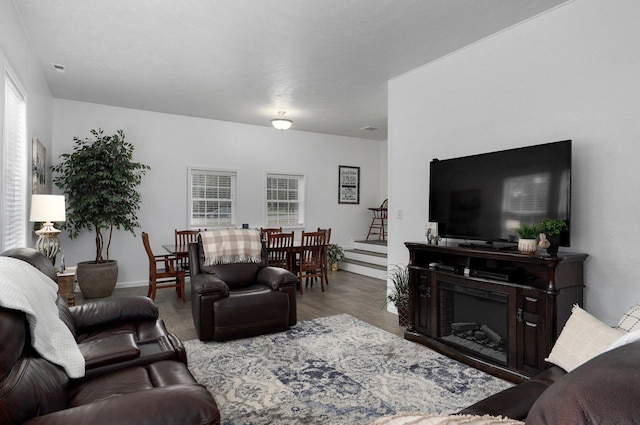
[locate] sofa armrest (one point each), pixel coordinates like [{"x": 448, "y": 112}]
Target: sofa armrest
[
  {"x": 515, "y": 402},
  {"x": 276, "y": 277},
  {"x": 208, "y": 284},
  {"x": 113, "y": 311},
  {"x": 109, "y": 350},
  {"x": 174, "y": 404}
]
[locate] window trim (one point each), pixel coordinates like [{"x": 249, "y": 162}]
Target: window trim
[
  {"x": 234, "y": 196},
  {"x": 303, "y": 186}
]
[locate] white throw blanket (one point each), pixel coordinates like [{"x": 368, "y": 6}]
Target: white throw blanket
[
  {"x": 25, "y": 288},
  {"x": 231, "y": 246}
]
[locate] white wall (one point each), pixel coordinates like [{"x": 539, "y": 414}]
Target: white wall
[
  {"x": 170, "y": 143},
  {"x": 568, "y": 74},
  {"x": 17, "y": 55}
]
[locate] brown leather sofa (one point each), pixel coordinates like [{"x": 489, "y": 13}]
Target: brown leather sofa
[
  {"x": 240, "y": 300},
  {"x": 112, "y": 333},
  {"x": 604, "y": 390},
  {"x": 131, "y": 380}
]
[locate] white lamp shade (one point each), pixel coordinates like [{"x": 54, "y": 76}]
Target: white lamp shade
[{"x": 47, "y": 208}]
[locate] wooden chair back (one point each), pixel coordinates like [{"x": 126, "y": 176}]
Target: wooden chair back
[
  {"x": 183, "y": 238},
  {"x": 279, "y": 246},
  {"x": 325, "y": 260},
  {"x": 327, "y": 232},
  {"x": 310, "y": 261},
  {"x": 264, "y": 231},
  {"x": 164, "y": 272}
]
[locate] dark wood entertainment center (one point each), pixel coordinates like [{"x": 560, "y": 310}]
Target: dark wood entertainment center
[{"x": 532, "y": 294}]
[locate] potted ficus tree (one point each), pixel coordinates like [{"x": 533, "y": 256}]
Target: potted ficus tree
[
  {"x": 399, "y": 293},
  {"x": 528, "y": 241},
  {"x": 551, "y": 229},
  {"x": 100, "y": 179}
]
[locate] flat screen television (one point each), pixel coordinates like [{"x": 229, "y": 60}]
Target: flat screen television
[{"x": 484, "y": 197}]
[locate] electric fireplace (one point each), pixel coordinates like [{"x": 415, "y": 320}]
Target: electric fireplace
[
  {"x": 474, "y": 320},
  {"x": 499, "y": 311}
]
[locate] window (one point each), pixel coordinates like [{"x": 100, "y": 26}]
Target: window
[
  {"x": 212, "y": 198},
  {"x": 14, "y": 166},
  {"x": 285, "y": 200}
]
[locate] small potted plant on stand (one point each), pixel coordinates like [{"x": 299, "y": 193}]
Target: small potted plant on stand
[
  {"x": 528, "y": 241},
  {"x": 399, "y": 294},
  {"x": 551, "y": 229},
  {"x": 334, "y": 254},
  {"x": 100, "y": 178}
]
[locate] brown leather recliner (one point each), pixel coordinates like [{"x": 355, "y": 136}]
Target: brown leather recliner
[
  {"x": 240, "y": 300},
  {"x": 112, "y": 333},
  {"x": 36, "y": 391}
]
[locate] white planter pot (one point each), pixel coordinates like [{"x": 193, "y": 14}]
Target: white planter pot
[{"x": 528, "y": 246}]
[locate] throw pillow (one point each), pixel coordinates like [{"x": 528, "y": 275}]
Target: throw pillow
[
  {"x": 630, "y": 321},
  {"x": 625, "y": 339},
  {"x": 416, "y": 419},
  {"x": 582, "y": 338}
]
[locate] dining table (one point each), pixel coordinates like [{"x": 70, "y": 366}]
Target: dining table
[
  {"x": 183, "y": 251},
  {"x": 177, "y": 250}
]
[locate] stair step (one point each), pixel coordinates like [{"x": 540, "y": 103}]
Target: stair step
[
  {"x": 364, "y": 268},
  {"x": 366, "y": 256},
  {"x": 373, "y": 246}
]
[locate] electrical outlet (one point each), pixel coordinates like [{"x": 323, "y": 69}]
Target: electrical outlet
[{"x": 400, "y": 214}]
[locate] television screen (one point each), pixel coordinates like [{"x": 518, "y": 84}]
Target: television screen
[{"x": 484, "y": 197}]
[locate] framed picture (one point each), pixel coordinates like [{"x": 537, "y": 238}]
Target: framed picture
[
  {"x": 430, "y": 231},
  {"x": 38, "y": 167},
  {"x": 348, "y": 184}
]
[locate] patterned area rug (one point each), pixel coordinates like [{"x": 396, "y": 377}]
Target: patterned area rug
[{"x": 333, "y": 370}]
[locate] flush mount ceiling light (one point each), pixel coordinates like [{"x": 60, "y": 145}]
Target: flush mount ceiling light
[{"x": 281, "y": 123}]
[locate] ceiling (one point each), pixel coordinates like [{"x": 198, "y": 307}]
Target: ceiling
[{"x": 325, "y": 62}]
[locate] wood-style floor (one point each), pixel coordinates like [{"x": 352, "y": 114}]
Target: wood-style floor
[{"x": 360, "y": 296}]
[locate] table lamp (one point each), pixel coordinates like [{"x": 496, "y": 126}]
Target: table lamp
[{"x": 48, "y": 209}]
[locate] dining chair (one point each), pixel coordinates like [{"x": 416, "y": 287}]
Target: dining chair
[
  {"x": 279, "y": 247},
  {"x": 264, "y": 231},
  {"x": 310, "y": 258},
  {"x": 164, "y": 272},
  {"x": 325, "y": 261},
  {"x": 182, "y": 239}
]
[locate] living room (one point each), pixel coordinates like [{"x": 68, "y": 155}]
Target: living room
[{"x": 568, "y": 74}]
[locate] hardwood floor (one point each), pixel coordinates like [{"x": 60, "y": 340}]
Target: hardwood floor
[{"x": 360, "y": 296}]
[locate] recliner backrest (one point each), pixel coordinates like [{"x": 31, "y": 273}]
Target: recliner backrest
[
  {"x": 236, "y": 275},
  {"x": 42, "y": 263},
  {"x": 29, "y": 385},
  {"x": 35, "y": 258}
]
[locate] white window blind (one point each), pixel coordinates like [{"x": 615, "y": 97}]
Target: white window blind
[
  {"x": 285, "y": 200},
  {"x": 14, "y": 166},
  {"x": 212, "y": 198}
]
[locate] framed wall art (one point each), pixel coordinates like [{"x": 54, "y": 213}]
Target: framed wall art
[
  {"x": 38, "y": 167},
  {"x": 348, "y": 184}
]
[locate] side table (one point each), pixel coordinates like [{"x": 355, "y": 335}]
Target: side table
[{"x": 67, "y": 284}]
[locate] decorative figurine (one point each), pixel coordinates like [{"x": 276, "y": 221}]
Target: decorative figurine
[{"x": 544, "y": 242}]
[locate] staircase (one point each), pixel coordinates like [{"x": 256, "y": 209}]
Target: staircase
[{"x": 368, "y": 258}]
